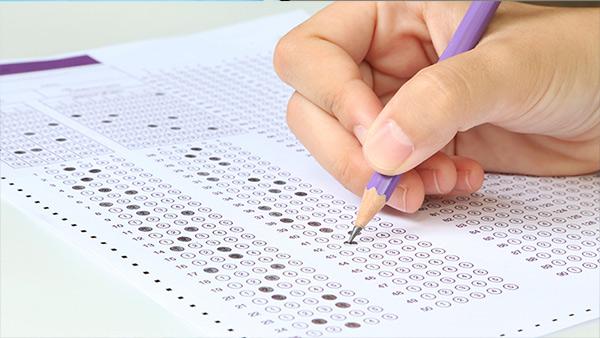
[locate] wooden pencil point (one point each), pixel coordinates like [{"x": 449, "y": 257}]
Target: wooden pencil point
[{"x": 370, "y": 205}]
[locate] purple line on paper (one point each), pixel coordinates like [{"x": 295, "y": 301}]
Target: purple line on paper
[{"x": 34, "y": 66}]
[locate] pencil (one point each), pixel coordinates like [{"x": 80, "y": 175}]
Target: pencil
[{"x": 467, "y": 35}]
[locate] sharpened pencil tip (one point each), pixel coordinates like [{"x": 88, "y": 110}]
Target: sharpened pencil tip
[
  {"x": 355, "y": 232},
  {"x": 371, "y": 203}
]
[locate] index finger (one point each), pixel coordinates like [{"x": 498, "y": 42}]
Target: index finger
[{"x": 320, "y": 59}]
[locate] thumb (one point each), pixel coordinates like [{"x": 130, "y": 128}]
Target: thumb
[{"x": 439, "y": 101}]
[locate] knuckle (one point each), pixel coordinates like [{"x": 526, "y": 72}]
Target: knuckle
[
  {"x": 340, "y": 101},
  {"x": 334, "y": 101},
  {"x": 448, "y": 89},
  {"x": 284, "y": 51}
]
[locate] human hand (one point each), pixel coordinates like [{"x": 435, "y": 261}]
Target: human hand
[{"x": 525, "y": 100}]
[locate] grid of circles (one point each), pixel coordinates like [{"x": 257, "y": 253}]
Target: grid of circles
[
  {"x": 553, "y": 223},
  {"x": 83, "y": 231},
  {"x": 386, "y": 255},
  {"x": 92, "y": 236},
  {"x": 142, "y": 118},
  {"x": 249, "y": 273},
  {"x": 30, "y": 138},
  {"x": 244, "y": 91}
]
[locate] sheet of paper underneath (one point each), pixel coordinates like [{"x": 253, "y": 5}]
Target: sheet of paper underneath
[{"x": 171, "y": 162}]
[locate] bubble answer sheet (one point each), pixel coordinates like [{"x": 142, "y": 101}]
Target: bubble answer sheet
[{"x": 170, "y": 162}]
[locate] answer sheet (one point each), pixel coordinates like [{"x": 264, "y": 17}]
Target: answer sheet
[{"x": 170, "y": 161}]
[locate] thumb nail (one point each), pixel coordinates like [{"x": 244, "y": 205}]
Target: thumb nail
[{"x": 388, "y": 147}]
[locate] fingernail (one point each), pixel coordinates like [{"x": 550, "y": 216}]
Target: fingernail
[
  {"x": 398, "y": 199},
  {"x": 360, "y": 132},
  {"x": 388, "y": 147},
  {"x": 430, "y": 179},
  {"x": 462, "y": 181}
]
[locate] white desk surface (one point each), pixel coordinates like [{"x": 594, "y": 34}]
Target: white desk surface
[{"x": 46, "y": 287}]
